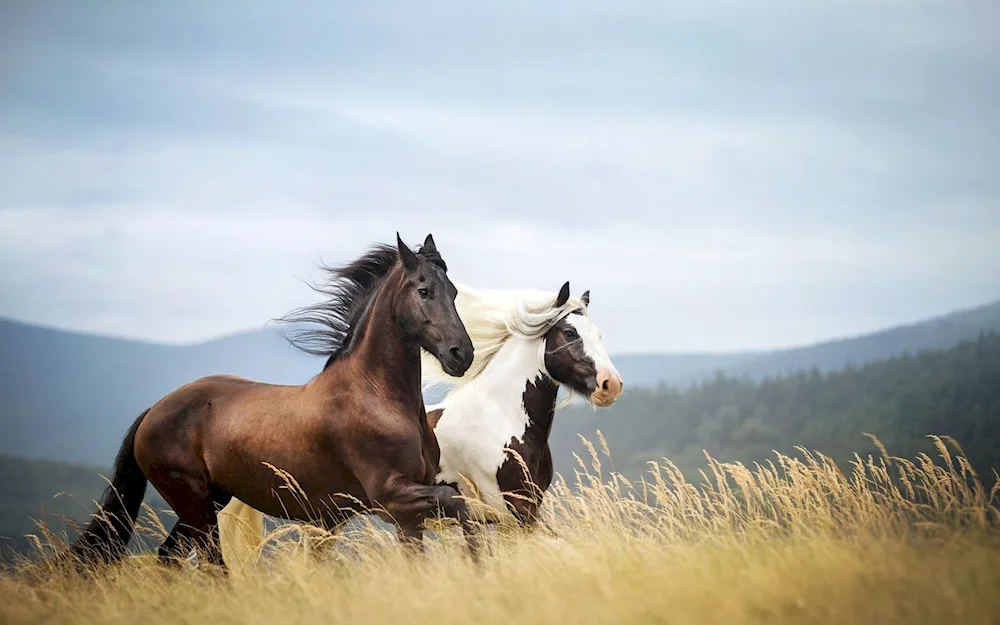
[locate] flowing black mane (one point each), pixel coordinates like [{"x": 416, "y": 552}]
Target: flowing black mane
[{"x": 350, "y": 289}]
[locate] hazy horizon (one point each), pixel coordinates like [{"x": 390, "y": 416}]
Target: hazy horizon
[
  {"x": 274, "y": 325},
  {"x": 722, "y": 177}
]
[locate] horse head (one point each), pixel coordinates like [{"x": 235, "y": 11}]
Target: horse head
[{"x": 576, "y": 358}]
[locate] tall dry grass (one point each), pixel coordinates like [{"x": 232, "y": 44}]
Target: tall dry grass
[{"x": 795, "y": 540}]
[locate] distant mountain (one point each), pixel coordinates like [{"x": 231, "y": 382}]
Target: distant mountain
[{"x": 70, "y": 396}]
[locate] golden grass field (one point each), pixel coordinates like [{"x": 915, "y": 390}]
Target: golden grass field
[{"x": 796, "y": 541}]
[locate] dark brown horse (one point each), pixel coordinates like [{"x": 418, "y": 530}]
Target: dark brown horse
[{"x": 355, "y": 435}]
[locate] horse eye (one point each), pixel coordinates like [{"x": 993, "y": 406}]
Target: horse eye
[
  {"x": 571, "y": 335},
  {"x": 423, "y": 292}
]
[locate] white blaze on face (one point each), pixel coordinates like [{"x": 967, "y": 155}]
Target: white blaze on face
[{"x": 591, "y": 336}]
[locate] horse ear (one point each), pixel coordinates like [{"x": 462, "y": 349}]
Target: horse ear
[
  {"x": 586, "y": 298},
  {"x": 406, "y": 254},
  {"x": 563, "y": 296},
  {"x": 429, "y": 245}
]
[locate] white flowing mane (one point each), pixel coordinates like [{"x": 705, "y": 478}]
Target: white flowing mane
[{"x": 491, "y": 316}]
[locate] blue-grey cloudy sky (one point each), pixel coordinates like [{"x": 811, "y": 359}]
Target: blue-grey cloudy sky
[{"x": 721, "y": 174}]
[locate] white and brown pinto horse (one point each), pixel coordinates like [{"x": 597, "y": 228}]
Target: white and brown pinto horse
[{"x": 528, "y": 344}]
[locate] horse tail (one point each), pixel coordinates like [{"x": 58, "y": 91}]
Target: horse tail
[
  {"x": 107, "y": 535},
  {"x": 241, "y": 531}
]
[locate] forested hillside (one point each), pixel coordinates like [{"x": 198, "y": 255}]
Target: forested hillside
[{"x": 955, "y": 392}]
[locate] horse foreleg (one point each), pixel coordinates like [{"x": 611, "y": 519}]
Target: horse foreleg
[{"x": 409, "y": 505}]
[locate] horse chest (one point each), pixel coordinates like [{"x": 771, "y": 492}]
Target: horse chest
[{"x": 473, "y": 441}]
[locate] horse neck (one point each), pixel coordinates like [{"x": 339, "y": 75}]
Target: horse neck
[
  {"x": 515, "y": 379},
  {"x": 381, "y": 353}
]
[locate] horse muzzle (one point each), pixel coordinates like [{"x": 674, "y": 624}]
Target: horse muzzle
[
  {"x": 456, "y": 360},
  {"x": 609, "y": 388}
]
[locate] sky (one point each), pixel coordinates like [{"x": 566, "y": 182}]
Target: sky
[{"x": 721, "y": 175}]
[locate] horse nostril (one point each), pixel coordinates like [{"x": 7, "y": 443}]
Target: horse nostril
[
  {"x": 609, "y": 383},
  {"x": 455, "y": 353}
]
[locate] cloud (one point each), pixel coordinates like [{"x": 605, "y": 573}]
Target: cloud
[{"x": 720, "y": 175}]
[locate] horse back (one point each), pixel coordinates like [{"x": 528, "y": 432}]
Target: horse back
[{"x": 208, "y": 417}]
